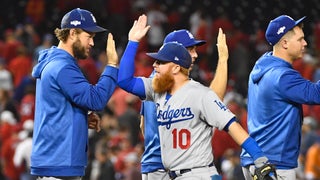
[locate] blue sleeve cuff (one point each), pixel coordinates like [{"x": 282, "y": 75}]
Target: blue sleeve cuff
[
  {"x": 252, "y": 147},
  {"x": 111, "y": 71}
]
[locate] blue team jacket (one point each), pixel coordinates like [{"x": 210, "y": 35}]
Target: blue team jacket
[
  {"x": 151, "y": 158},
  {"x": 275, "y": 97},
  {"x": 63, "y": 98}
]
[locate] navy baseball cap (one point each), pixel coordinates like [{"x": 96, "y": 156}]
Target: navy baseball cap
[
  {"x": 173, "y": 52},
  {"x": 184, "y": 37},
  {"x": 279, "y": 27},
  {"x": 80, "y": 18}
]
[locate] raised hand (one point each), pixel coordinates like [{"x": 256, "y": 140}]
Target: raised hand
[
  {"x": 222, "y": 46},
  {"x": 139, "y": 29},
  {"x": 112, "y": 55}
]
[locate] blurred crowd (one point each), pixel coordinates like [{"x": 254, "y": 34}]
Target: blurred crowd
[{"x": 27, "y": 27}]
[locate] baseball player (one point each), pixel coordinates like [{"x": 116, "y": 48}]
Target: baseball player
[
  {"x": 151, "y": 163},
  {"x": 279, "y": 91},
  {"x": 186, "y": 110},
  {"x": 64, "y": 97}
]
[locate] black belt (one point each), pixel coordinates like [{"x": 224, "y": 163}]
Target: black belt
[{"x": 174, "y": 174}]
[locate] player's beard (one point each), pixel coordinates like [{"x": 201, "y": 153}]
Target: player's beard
[
  {"x": 163, "y": 83},
  {"x": 79, "y": 51}
]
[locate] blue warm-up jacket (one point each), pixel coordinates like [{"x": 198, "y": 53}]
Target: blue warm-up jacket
[
  {"x": 275, "y": 97},
  {"x": 63, "y": 98}
]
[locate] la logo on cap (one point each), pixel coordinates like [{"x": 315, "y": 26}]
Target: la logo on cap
[
  {"x": 281, "y": 30},
  {"x": 82, "y": 19}
]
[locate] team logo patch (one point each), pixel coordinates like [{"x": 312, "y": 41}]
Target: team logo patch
[{"x": 221, "y": 105}]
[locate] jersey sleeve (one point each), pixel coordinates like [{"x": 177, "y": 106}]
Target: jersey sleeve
[
  {"x": 149, "y": 93},
  {"x": 215, "y": 112},
  {"x": 126, "y": 79}
]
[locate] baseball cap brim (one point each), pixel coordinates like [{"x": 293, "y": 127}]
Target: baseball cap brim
[
  {"x": 158, "y": 57},
  {"x": 195, "y": 43},
  {"x": 300, "y": 20},
  {"x": 94, "y": 29}
]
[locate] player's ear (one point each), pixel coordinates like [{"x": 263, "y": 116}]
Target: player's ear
[
  {"x": 176, "y": 69},
  {"x": 73, "y": 33}
]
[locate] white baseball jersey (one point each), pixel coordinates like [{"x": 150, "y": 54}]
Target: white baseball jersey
[{"x": 185, "y": 123}]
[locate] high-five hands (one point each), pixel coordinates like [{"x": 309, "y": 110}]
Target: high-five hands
[{"x": 139, "y": 29}]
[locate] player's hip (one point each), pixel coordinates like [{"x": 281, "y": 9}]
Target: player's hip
[{"x": 206, "y": 172}]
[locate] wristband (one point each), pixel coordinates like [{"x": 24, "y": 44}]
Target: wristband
[{"x": 251, "y": 146}]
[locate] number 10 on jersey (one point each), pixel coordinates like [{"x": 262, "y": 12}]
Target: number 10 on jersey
[{"x": 181, "y": 138}]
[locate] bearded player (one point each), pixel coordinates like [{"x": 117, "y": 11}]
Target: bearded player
[{"x": 186, "y": 110}]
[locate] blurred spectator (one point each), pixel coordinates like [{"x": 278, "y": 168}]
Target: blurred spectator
[
  {"x": 35, "y": 10},
  {"x": 6, "y": 81},
  {"x": 308, "y": 137},
  {"x": 132, "y": 168},
  {"x": 158, "y": 20},
  {"x": 309, "y": 133},
  {"x": 26, "y": 34},
  {"x": 316, "y": 36},
  {"x": 89, "y": 69},
  {"x": 101, "y": 168},
  {"x": 239, "y": 60},
  {"x": 109, "y": 128},
  {"x": 130, "y": 119},
  {"x": 27, "y": 104},
  {"x": 230, "y": 166},
  {"x": 143, "y": 65},
  {"x": 119, "y": 12},
  {"x": 312, "y": 165},
  {"x": 21, "y": 158},
  {"x": 118, "y": 102},
  {"x": 306, "y": 66},
  {"x": 20, "y": 66},
  {"x": 46, "y": 43},
  {"x": 25, "y": 87},
  {"x": 11, "y": 45},
  {"x": 109, "y": 122},
  {"x": 222, "y": 21},
  {"x": 259, "y": 44},
  {"x": 125, "y": 148},
  {"x": 7, "y": 125},
  {"x": 8, "y": 146},
  {"x": 203, "y": 32},
  {"x": 194, "y": 20},
  {"x": 7, "y": 103}
]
